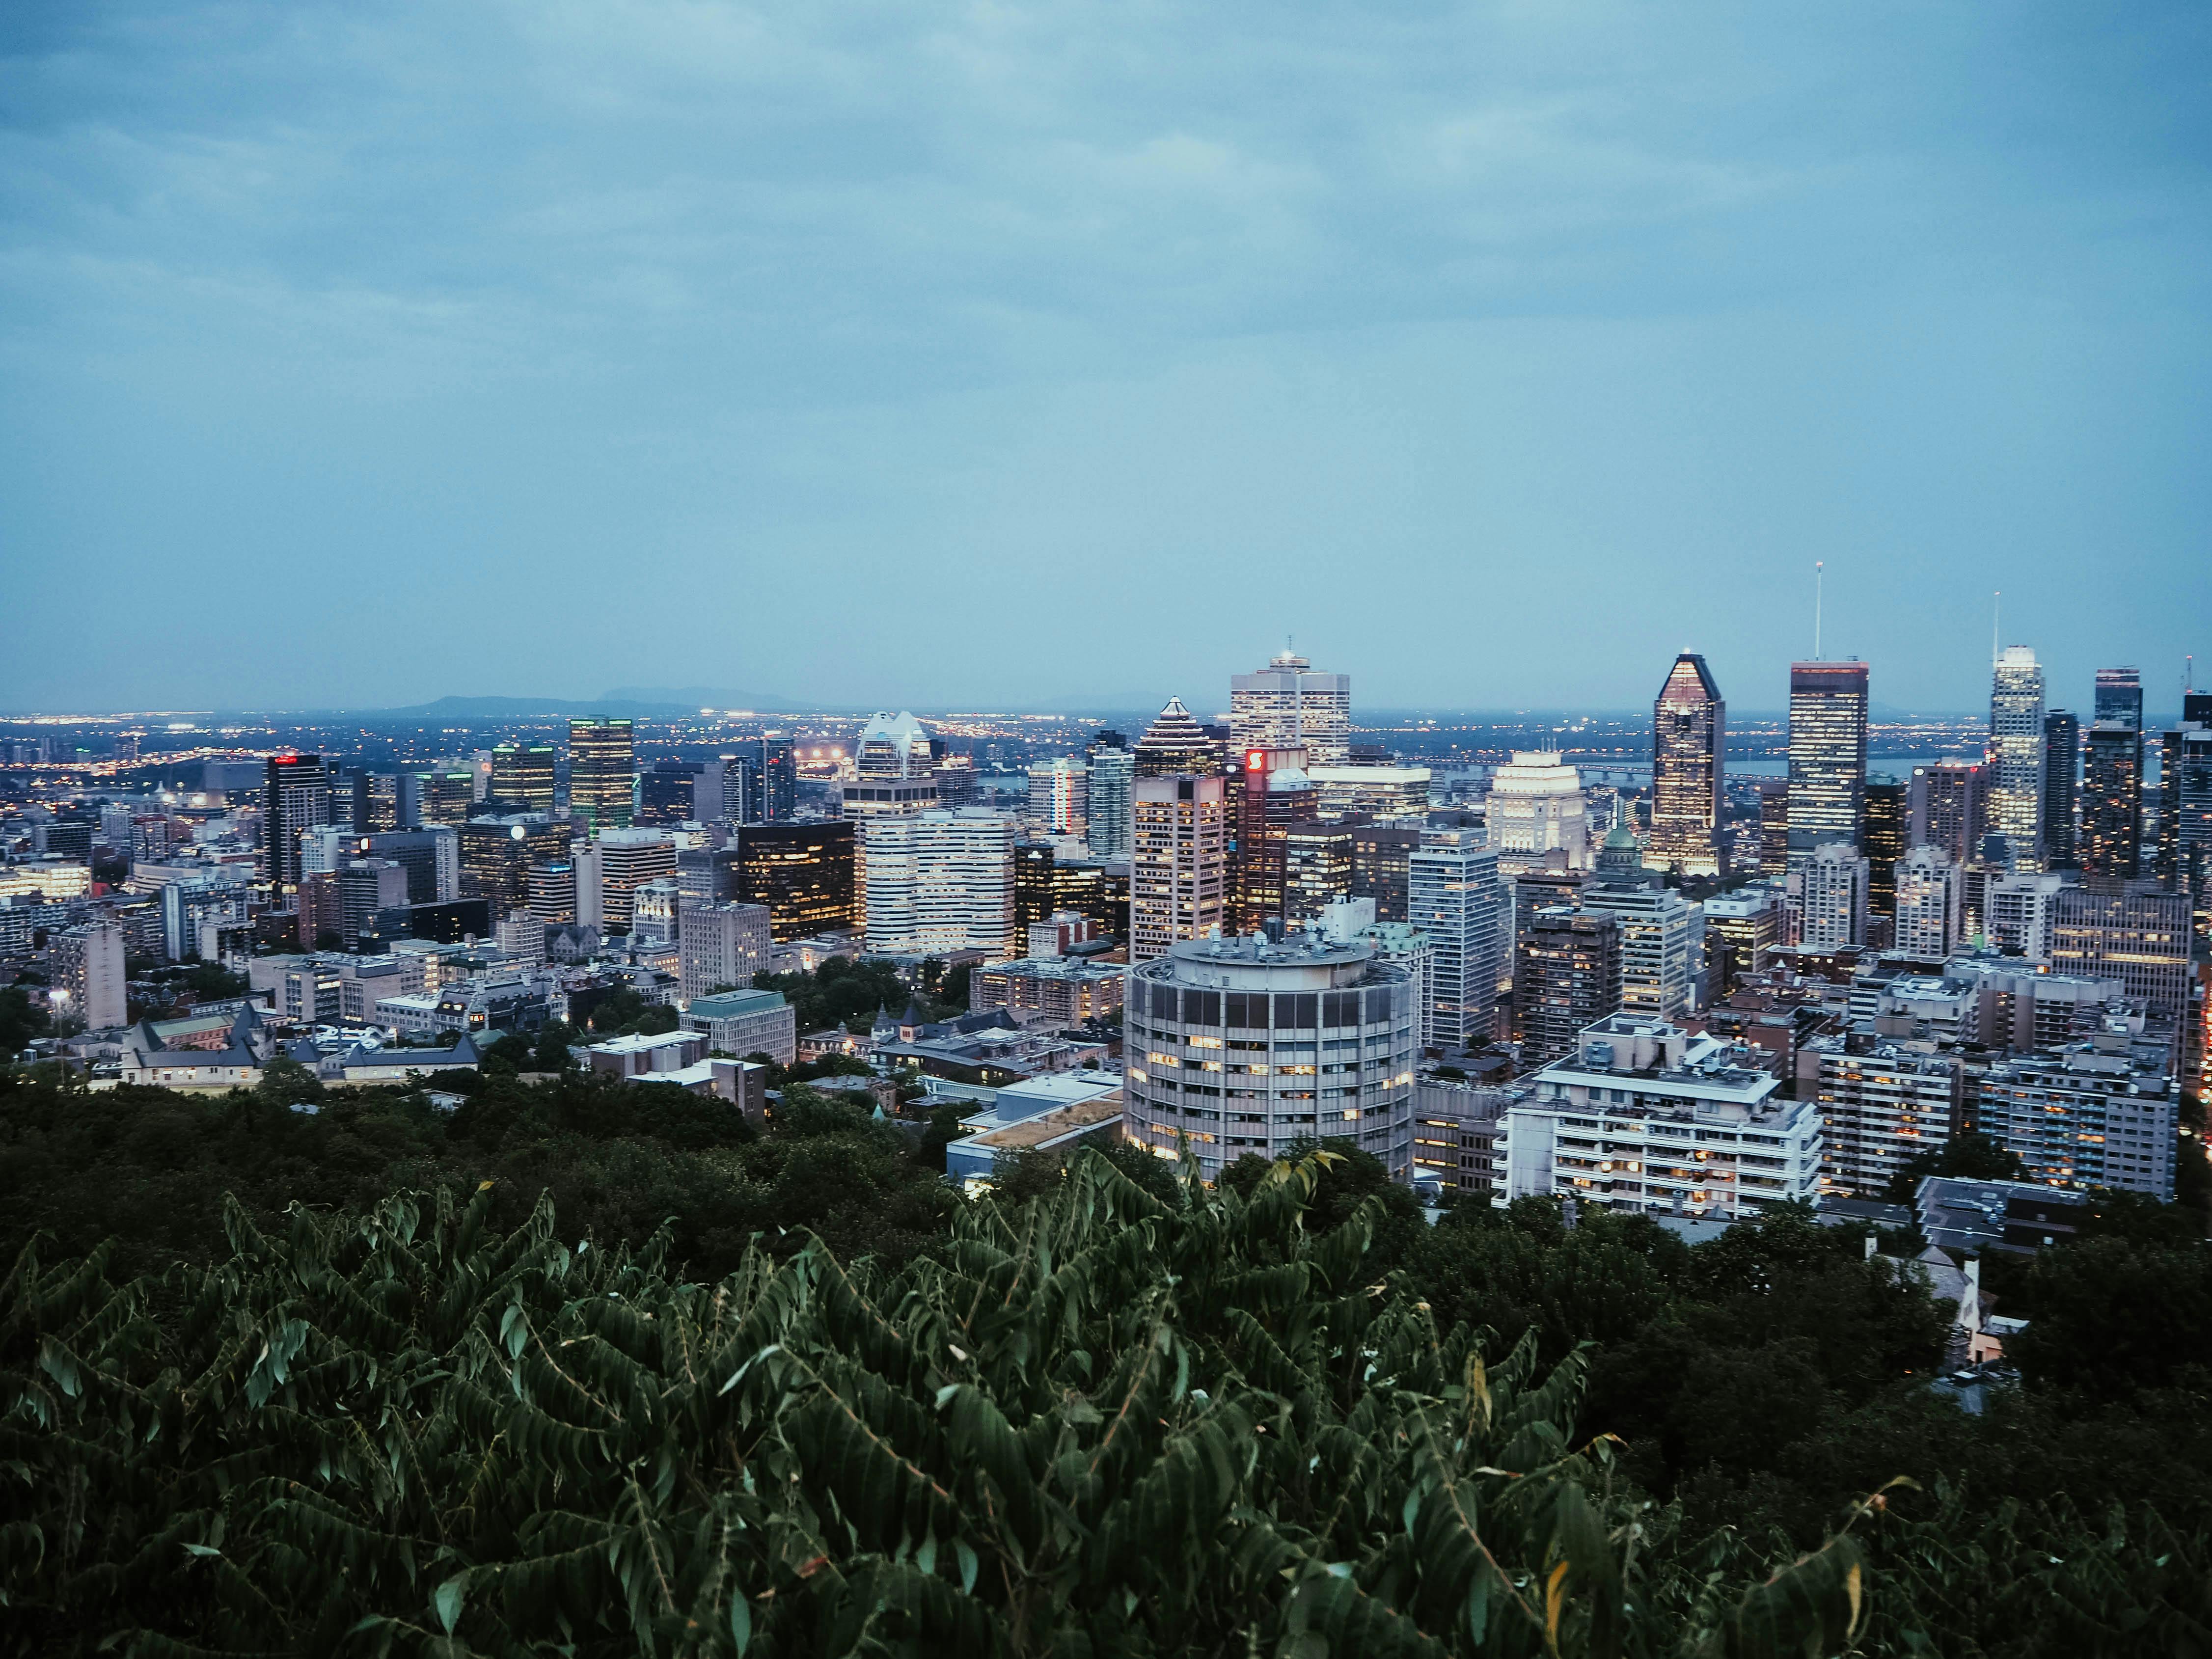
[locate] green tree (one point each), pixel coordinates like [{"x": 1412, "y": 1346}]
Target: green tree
[{"x": 1971, "y": 1156}]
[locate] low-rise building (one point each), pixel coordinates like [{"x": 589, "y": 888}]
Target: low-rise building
[
  {"x": 742, "y": 1023},
  {"x": 646, "y": 1055},
  {"x": 1966, "y": 1217},
  {"x": 1043, "y": 1115},
  {"x": 1456, "y": 1126},
  {"x": 1646, "y": 1117},
  {"x": 1066, "y": 990}
]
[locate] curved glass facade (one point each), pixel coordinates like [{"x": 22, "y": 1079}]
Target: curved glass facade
[{"x": 1241, "y": 1045}]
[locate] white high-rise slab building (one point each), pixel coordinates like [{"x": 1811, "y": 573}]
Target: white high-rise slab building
[
  {"x": 2015, "y": 754},
  {"x": 1536, "y": 806},
  {"x": 941, "y": 881},
  {"x": 88, "y": 977},
  {"x": 1286, "y": 705},
  {"x": 1928, "y": 903},
  {"x": 1060, "y": 792},
  {"x": 1455, "y": 895},
  {"x": 1831, "y": 891},
  {"x": 721, "y": 946}
]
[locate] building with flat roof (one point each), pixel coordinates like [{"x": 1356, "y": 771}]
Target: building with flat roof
[
  {"x": 1065, "y": 990},
  {"x": 1828, "y": 753},
  {"x": 2095, "y": 1113},
  {"x": 1287, "y": 704},
  {"x": 743, "y": 1023},
  {"x": 1055, "y": 1114},
  {"x": 1646, "y": 1117},
  {"x": 1881, "y": 1105}
]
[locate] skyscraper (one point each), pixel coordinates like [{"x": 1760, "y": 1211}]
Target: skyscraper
[
  {"x": 1828, "y": 753},
  {"x": 2015, "y": 753},
  {"x": 1288, "y": 705},
  {"x": 1455, "y": 896},
  {"x": 1060, "y": 795},
  {"x": 941, "y": 881},
  {"x": 2184, "y": 806},
  {"x": 296, "y": 797},
  {"x": 895, "y": 777},
  {"x": 1107, "y": 810},
  {"x": 1689, "y": 724},
  {"x": 2119, "y": 698},
  {"x": 2113, "y": 778},
  {"x": 2062, "y": 756},
  {"x": 778, "y": 782},
  {"x": 601, "y": 773},
  {"x": 1887, "y": 816},
  {"x": 1947, "y": 806},
  {"x": 1272, "y": 795},
  {"x": 1179, "y": 869},
  {"x": 1176, "y": 742},
  {"x": 803, "y": 872},
  {"x": 1927, "y": 889},
  {"x": 522, "y": 777}
]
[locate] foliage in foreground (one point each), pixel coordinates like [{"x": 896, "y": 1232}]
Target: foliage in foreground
[{"x": 1096, "y": 1424}]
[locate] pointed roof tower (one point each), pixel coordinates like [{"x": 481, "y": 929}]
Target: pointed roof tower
[{"x": 1176, "y": 742}]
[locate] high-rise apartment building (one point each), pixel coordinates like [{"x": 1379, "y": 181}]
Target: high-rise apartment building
[
  {"x": 2016, "y": 753},
  {"x": 627, "y": 859},
  {"x": 1689, "y": 737},
  {"x": 2062, "y": 763},
  {"x": 2084, "y": 1117},
  {"x": 1888, "y": 815},
  {"x": 89, "y": 982},
  {"x": 720, "y": 946},
  {"x": 1286, "y": 705},
  {"x": 1928, "y": 893},
  {"x": 2111, "y": 798},
  {"x": 2119, "y": 698},
  {"x": 1107, "y": 802},
  {"x": 1831, "y": 890},
  {"x": 1947, "y": 807},
  {"x": 779, "y": 780},
  {"x": 1175, "y": 745},
  {"x": 601, "y": 773},
  {"x": 1566, "y": 976},
  {"x": 802, "y": 873},
  {"x": 522, "y": 777},
  {"x": 1059, "y": 796},
  {"x": 1179, "y": 876},
  {"x": 295, "y": 797},
  {"x": 2018, "y": 906},
  {"x": 1536, "y": 806},
  {"x": 1828, "y": 753},
  {"x": 1881, "y": 1105},
  {"x": 1661, "y": 933},
  {"x": 1456, "y": 896},
  {"x": 939, "y": 882}
]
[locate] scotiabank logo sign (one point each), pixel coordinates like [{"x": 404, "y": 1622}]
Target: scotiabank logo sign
[{"x": 1255, "y": 759}]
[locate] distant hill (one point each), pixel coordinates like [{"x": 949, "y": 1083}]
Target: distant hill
[
  {"x": 518, "y": 708},
  {"x": 693, "y": 698}
]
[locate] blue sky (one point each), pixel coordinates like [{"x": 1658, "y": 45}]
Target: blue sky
[{"x": 1001, "y": 355}]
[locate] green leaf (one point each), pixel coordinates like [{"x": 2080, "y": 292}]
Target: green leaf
[
  {"x": 741, "y": 1622},
  {"x": 448, "y": 1599},
  {"x": 967, "y": 1565}
]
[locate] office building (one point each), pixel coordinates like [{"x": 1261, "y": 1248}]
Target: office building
[
  {"x": 892, "y": 766},
  {"x": 1888, "y": 814},
  {"x": 1773, "y": 826},
  {"x": 2112, "y": 799},
  {"x": 939, "y": 882},
  {"x": 1832, "y": 893},
  {"x": 1036, "y": 887},
  {"x": 655, "y": 909},
  {"x": 2184, "y": 812},
  {"x": 1738, "y": 925},
  {"x": 728, "y": 791},
  {"x": 1107, "y": 802},
  {"x": 1059, "y": 796},
  {"x": 627, "y": 859},
  {"x": 1383, "y": 792},
  {"x": 720, "y": 947},
  {"x": 1286, "y": 705},
  {"x": 1536, "y": 806},
  {"x": 365, "y": 888},
  {"x": 1455, "y": 896},
  {"x": 1688, "y": 741},
  {"x": 2118, "y": 698},
  {"x": 1927, "y": 897},
  {"x": 1316, "y": 869},
  {"x": 432, "y": 858},
  {"x": 437, "y": 797},
  {"x": 496, "y": 856},
  {"x": 2062, "y": 765},
  {"x": 2095, "y": 1113},
  {"x": 740, "y": 1024},
  {"x": 666, "y": 793},
  {"x": 1566, "y": 977},
  {"x": 1827, "y": 754},
  {"x": 522, "y": 778},
  {"x": 802, "y": 873},
  {"x": 1243, "y": 1046},
  {"x": 1174, "y": 745},
  {"x": 1380, "y": 852},
  {"x": 88, "y": 977},
  {"x": 295, "y": 797},
  {"x": 380, "y": 802},
  {"x": 1644, "y": 1117},
  {"x": 601, "y": 773},
  {"x": 2016, "y": 753},
  {"x": 1179, "y": 876},
  {"x": 552, "y": 892},
  {"x": 1947, "y": 807},
  {"x": 1269, "y": 794},
  {"x": 779, "y": 780},
  {"x": 1661, "y": 933},
  {"x": 1882, "y": 1104},
  {"x": 2134, "y": 932}
]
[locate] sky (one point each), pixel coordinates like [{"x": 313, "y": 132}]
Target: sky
[{"x": 1005, "y": 355}]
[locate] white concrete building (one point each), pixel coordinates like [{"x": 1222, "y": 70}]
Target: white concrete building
[
  {"x": 1536, "y": 806},
  {"x": 941, "y": 881},
  {"x": 722, "y": 944},
  {"x": 2018, "y": 909},
  {"x": 1646, "y": 1117},
  {"x": 1928, "y": 904},
  {"x": 1288, "y": 705},
  {"x": 1059, "y": 796},
  {"x": 88, "y": 977},
  {"x": 1455, "y": 895},
  {"x": 1107, "y": 801},
  {"x": 1831, "y": 891}
]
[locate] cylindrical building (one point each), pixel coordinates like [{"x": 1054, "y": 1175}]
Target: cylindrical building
[{"x": 1241, "y": 1045}]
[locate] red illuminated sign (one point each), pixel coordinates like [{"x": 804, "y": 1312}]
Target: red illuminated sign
[{"x": 1255, "y": 759}]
